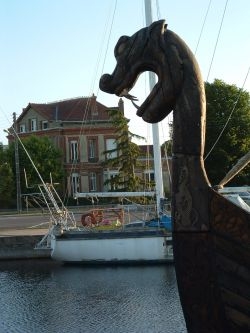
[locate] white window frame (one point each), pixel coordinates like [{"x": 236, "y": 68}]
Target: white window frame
[
  {"x": 73, "y": 150},
  {"x": 75, "y": 184},
  {"x": 45, "y": 124},
  {"x": 108, "y": 175},
  {"x": 92, "y": 148},
  {"x": 111, "y": 144},
  {"x": 149, "y": 175},
  {"x": 92, "y": 182},
  {"x": 22, "y": 128},
  {"x": 33, "y": 125}
]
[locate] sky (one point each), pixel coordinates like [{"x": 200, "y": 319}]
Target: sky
[{"x": 58, "y": 49}]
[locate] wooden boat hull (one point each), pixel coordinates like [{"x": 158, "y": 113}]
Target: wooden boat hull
[
  {"x": 119, "y": 247},
  {"x": 213, "y": 271}
]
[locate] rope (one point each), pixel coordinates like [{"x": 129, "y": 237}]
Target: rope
[
  {"x": 203, "y": 26},
  {"x": 217, "y": 39},
  {"x": 223, "y": 129},
  {"x": 88, "y": 104},
  {"x": 158, "y": 10},
  {"x": 111, "y": 26}
]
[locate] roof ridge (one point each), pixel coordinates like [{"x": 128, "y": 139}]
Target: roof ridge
[{"x": 68, "y": 99}]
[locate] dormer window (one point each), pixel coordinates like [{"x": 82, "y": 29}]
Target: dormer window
[
  {"x": 45, "y": 124},
  {"x": 22, "y": 128},
  {"x": 33, "y": 125}
]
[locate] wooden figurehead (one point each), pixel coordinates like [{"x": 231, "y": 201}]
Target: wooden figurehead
[{"x": 203, "y": 238}]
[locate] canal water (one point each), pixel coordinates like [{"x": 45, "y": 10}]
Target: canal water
[{"x": 43, "y": 296}]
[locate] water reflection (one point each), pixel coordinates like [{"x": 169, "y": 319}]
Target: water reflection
[{"x": 43, "y": 296}]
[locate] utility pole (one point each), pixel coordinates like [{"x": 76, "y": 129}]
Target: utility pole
[{"x": 18, "y": 185}]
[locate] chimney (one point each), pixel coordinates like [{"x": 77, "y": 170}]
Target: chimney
[
  {"x": 121, "y": 105},
  {"x": 56, "y": 113}
]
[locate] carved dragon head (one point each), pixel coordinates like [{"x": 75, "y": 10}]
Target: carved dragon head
[{"x": 146, "y": 50}]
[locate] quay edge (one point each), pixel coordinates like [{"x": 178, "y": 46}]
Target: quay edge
[{"x": 21, "y": 247}]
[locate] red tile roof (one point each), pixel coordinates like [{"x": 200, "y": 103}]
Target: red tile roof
[{"x": 75, "y": 109}]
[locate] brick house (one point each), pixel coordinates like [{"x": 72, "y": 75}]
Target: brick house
[{"x": 82, "y": 129}]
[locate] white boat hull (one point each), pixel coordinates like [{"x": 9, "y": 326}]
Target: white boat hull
[{"x": 112, "y": 247}]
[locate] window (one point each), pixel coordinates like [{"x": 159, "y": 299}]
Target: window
[
  {"x": 110, "y": 145},
  {"x": 45, "y": 124},
  {"x": 74, "y": 183},
  {"x": 92, "y": 182},
  {"x": 149, "y": 175},
  {"x": 92, "y": 148},
  {"x": 33, "y": 125},
  {"x": 22, "y": 128},
  {"x": 73, "y": 151},
  {"x": 109, "y": 175}
]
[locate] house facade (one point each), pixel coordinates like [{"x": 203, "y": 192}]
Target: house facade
[{"x": 83, "y": 130}]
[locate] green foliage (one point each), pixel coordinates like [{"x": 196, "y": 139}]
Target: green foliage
[
  {"x": 44, "y": 158},
  {"x": 6, "y": 181},
  {"x": 166, "y": 148},
  {"x": 227, "y": 102},
  {"x": 126, "y": 159},
  {"x": 6, "y": 185}
]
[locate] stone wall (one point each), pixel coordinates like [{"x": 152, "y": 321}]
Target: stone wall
[{"x": 21, "y": 247}]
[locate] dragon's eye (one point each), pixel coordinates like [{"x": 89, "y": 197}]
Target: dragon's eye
[{"x": 121, "y": 44}]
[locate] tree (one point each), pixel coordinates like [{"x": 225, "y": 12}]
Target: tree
[
  {"x": 124, "y": 157},
  {"x": 6, "y": 181},
  {"x": 166, "y": 148},
  {"x": 226, "y": 103},
  {"x": 45, "y": 157}
]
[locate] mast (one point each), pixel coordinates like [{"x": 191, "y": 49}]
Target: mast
[{"x": 155, "y": 128}]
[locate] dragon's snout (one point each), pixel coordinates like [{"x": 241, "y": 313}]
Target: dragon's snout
[{"x": 105, "y": 83}]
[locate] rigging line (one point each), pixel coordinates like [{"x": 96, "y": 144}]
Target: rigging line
[
  {"x": 95, "y": 72},
  {"x": 204, "y": 21},
  {"x": 105, "y": 55},
  {"x": 2, "y": 112},
  {"x": 27, "y": 153},
  {"x": 165, "y": 149},
  {"x": 73, "y": 166},
  {"x": 100, "y": 50},
  {"x": 215, "y": 47},
  {"x": 158, "y": 13},
  {"x": 231, "y": 113},
  {"x": 89, "y": 99},
  {"x": 168, "y": 166},
  {"x": 87, "y": 110}
]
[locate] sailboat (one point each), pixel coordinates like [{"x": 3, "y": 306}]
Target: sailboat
[
  {"x": 211, "y": 235},
  {"x": 104, "y": 237}
]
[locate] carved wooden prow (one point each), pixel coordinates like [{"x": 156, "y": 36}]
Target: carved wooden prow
[{"x": 209, "y": 232}]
